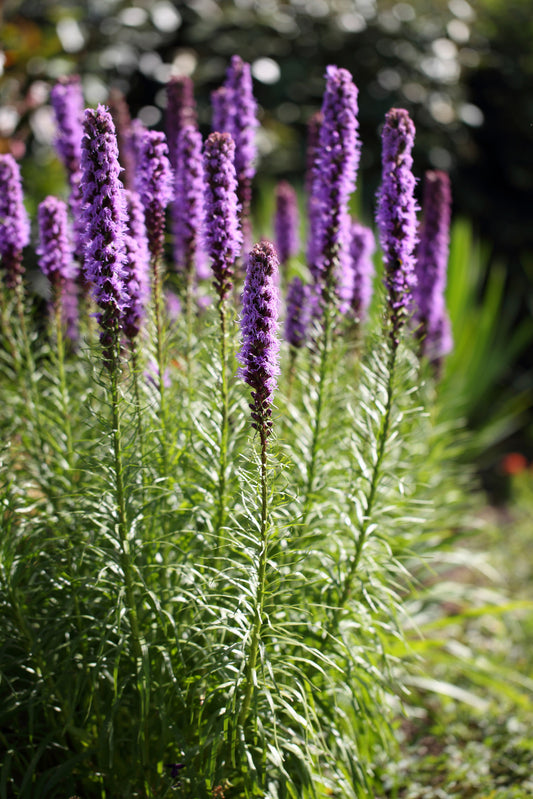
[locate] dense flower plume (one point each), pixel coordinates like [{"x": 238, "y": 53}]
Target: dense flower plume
[
  {"x": 55, "y": 249},
  {"x": 396, "y": 214},
  {"x": 362, "y": 246},
  {"x": 67, "y": 102},
  {"x": 336, "y": 169},
  {"x": 14, "y": 223},
  {"x": 123, "y": 125},
  {"x": 154, "y": 184},
  {"x": 180, "y": 113},
  {"x": 286, "y": 222},
  {"x": 188, "y": 210},
  {"x": 223, "y": 237},
  {"x": 259, "y": 355},
  {"x": 137, "y": 266},
  {"x": 429, "y": 309},
  {"x": 104, "y": 217},
  {"x": 299, "y": 312}
]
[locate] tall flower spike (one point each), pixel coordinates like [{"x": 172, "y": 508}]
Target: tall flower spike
[
  {"x": 242, "y": 123},
  {"x": 223, "y": 237},
  {"x": 188, "y": 210},
  {"x": 154, "y": 184},
  {"x": 137, "y": 266},
  {"x": 126, "y": 149},
  {"x": 299, "y": 313},
  {"x": 362, "y": 247},
  {"x": 67, "y": 102},
  {"x": 336, "y": 170},
  {"x": 221, "y": 111},
  {"x": 104, "y": 218},
  {"x": 286, "y": 222},
  {"x": 181, "y": 113},
  {"x": 313, "y": 205},
  {"x": 54, "y": 250},
  {"x": 396, "y": 215},
  {"x": 14, "y": 224},
  {"x": 432, "y": 262},
  {"x": 259, "y": 355}
]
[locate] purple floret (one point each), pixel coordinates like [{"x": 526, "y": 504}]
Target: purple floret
[
  {"x": 336, "y": 169},
  {"x": 154, "y": 184},
  {"x": 223, "y": 238},
  {"x": 55, "y": 249},
  {"x": 14, "y": 223},
  {"x": 396, "y": 214},
  {"x": 104, "y": 218},
  {"x": 67, "y": 102},
  {"x": 432, "y": 260},
  {"x": 259, "y": 355},
  {"x": 362, "y": 247},
  {"x": 299, "y": 313},
  {"x": 137, "y": 267},
  {"x": 188, "y": 210},
  {"x": 286, "y": 222}
]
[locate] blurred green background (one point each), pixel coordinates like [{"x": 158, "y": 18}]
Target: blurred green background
[{"x": 464, "y": 71}]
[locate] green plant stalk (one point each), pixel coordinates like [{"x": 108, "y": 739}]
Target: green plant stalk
[
  {"x": 158, "y": 301},
  {"x": 325, "y": 348},
  {"x": 189, "y": 313},
  {"x": 374, "y": 481},
  {"x": 30, "y": 364},
  {"x": 249, "y": 671},
  {"x": 137, "y": 396},
  {"x": 122, "y": 525},
  {"x": 223, "y": 454},
  {"x": 60, "y": 344}
]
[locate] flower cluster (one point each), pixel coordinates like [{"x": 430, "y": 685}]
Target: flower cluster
[
  {"x": 14, "y": 223},
  {"x": 286, "y": 222},
  {"x": 154, "y": 184}
]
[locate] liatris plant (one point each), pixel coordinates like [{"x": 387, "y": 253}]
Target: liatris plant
[
  {"x": 180, "y": 113},
  {"x": 188, "y": 210},
  {"x": 429, "y": 309},
  {"x": 14, "y": 223},
  {"x": 362, "y": 246},
  {"x": 223, "y": 241},
  {"x": 239, "y": 118},
  {"x": 137, "y": 267},
  {"x": 286, "y": 222},
  {"x": 297, "y": 320},
  {"x": 126, "y": 149},
  {"x": 396, "y": 215}
]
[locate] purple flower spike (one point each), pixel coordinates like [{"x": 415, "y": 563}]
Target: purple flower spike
[
  {"x": 67, "y": 102},
  {"x": 313, "y": 205},
  {"x": 223, "y": 237},
  {"x": 221, "y": 105},
  {"x": 154, "y": 184},
  {"x": 396, "y": 214},
  {"x": 126, "y": 149},
  {"x": 337, "y": 163},
  {"x": 104, "y": 218},
  {"x": 286, "y": 222},
  {"x": 299, "y": 313},
  {"x": 188, "y": 210},
  {"x": 432, "y": 259},
  {"x": 137, "y": 267},
  {"x": 362, "y": 247},
  {"x": 54, "y": 250},
  {"x": 14, "y": 224},
  {"x": 181, "y": 113},
  {"x": 259, "y": 355}
]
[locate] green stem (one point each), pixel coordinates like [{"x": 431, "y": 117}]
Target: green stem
[
  {"x": 321, "y": 394},
  {"x": 223, "y": 455},
  {"x": 158, "y": 299},
  {"x": 250, "y": 668},
  {"x": 189, "y": 308},
  {"x": 374, "y": 482},
  {"x": 60, "y": 343},
  {"x": 138, "y": 412}
]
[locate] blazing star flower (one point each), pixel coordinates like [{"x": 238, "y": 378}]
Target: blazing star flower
[
  {"x": 259, "y": 355},
  {"x": 137, "y": 266},
  {"x": 188, "y": 210},
  {"x": 286, "y": 222},
  {"x": 154, "y": 184},
  {"x": 396, "y": 214},
  {"x": 104, "y": 218},
  {"x": 336, "y": 170},
  {"x": 67, "y": 102},
  {"x": 181, "y": 113},
  {"x": 55, "y": 249},
  {"x": 432, "y": 262},
  {"x": 126, "y": 149},
  {"x": 299, "y": 313},
  {"x": 220, "y": 105},
  {"x": 313, "y": 205},
  {"x": 362, "y": 246},
  {"x": 223, "y": 238},
  {"x": 14, "y": 223}
]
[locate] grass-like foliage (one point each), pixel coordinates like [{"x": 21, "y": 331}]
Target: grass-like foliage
[{"x": 209, "y": 585}]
